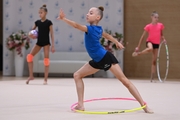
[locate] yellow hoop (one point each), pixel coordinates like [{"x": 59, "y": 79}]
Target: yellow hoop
[{"x": 107, "y": 112}]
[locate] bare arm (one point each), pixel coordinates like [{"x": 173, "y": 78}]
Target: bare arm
[
  {"x": 112, "y": 39},
  {"x": 72, "y": 23},
  {"x": 31, "y": 35},
  {"x": 162, "y": 36},
  {"x": 52, "y": 34},
  {"x": 75, "y": 25},
  {"x": 34, "y": 27},
  {"x": 52, "y": 38},
  {"x": 109, "y": 37},
  {"x": 141, "y": 39}
]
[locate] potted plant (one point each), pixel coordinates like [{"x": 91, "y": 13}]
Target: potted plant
[
  {"x": 18, "y": 42},
  {"x": 108, "y": 45}
]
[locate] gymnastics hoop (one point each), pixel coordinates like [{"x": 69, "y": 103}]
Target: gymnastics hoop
[
  {"x": 107, "y": 112},
  {"x": 167, "y": 63}
]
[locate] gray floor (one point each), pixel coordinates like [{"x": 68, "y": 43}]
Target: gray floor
[{"x": 19, "y": 101}]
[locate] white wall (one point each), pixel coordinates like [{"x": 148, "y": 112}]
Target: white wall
[{"x": 21, "y": 14}]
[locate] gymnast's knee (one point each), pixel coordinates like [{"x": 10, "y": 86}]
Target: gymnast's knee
[
  {"x": 154, "y": 62},
  {"x": 29, "y": 58},
  {"x": 77, "y": 76},
  {"x": 46, "y": 62},
  {"x": 150, "y": 49}
]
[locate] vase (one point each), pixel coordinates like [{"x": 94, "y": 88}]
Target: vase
[{"x": 19, "y": 63}]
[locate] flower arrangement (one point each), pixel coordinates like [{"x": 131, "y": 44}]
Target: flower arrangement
[
  {"x": 108, "y": 45},
  {"x": 18, "y": 40}
]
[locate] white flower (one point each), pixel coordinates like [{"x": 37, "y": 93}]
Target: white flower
[
  {"x": 110, "y": 46},
  {"x": 105, "y": 42},
  {"x": 9, "y": 42},
  {"x": 16, "y": 41}
]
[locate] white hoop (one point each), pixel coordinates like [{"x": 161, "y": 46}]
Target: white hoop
[{"x": 167, "y": 63}]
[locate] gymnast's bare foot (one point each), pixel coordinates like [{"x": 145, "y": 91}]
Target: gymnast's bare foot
[
  {"x": 147, "y": 110},
  {"x": 152, "y": 77},
  {"x": 134, "y": 54},
  {"x": 45, "y": 82},
  {"x": 78, "y": 107},
  {"x": 30, "y": 78}
]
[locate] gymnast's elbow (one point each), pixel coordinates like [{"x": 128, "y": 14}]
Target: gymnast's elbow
[{"x": 77, "y": 26}]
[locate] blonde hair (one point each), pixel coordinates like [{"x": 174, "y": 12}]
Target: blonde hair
[{"x": 154, "y": 13}]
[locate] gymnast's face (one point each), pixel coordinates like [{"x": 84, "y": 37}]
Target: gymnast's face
[
  {"x": 155, "y": 18},
  {"x": 92, "y": 15},
  {"x": 42, "y": 13}
]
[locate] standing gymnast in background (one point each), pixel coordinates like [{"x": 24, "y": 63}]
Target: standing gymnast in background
[
  {"x": 155, "y": 34},
  {"x": 101, "y": 59},
  {"x": 44, "y": 27}
]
